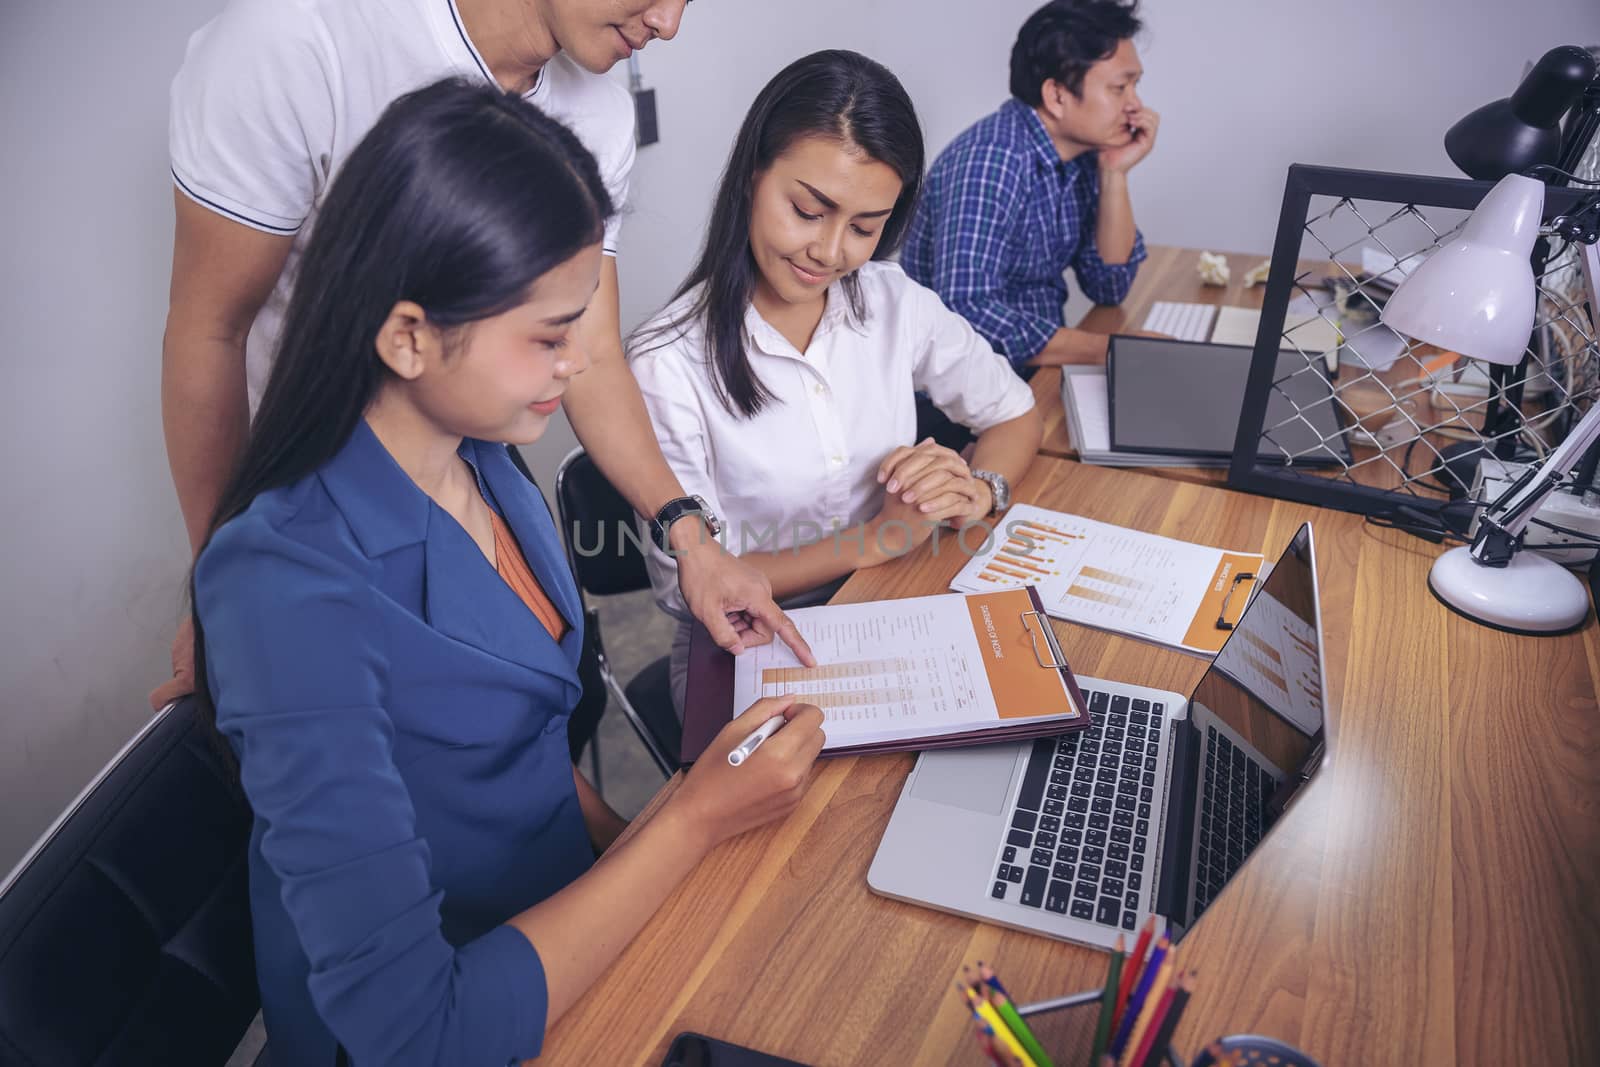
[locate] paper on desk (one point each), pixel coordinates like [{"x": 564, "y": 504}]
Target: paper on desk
[
  {"x": 1305, "y": 329},
  {"x": 1157, "y": 588},
  {"x": 1092, "y": 413},
  {"x": 1379, "y": 266},
  {"x": 1376, "y": 347},
  {"x": 912, "y": 668}
]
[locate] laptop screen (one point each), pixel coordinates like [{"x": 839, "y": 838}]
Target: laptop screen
[{"x": 1253, "y": 738}]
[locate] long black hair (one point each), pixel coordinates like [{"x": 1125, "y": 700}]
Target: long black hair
[
  {"x": 459, "y": 198},
  {"x": 836, "y": 94}
]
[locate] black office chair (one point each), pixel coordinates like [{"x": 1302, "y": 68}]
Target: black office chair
[
  {"x": 125, "y": 933},
  {"x": 591, "y": 509},
  {"x": 585, "y": 721}
]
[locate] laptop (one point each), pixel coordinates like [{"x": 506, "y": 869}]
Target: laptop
[
  {"x": 1151, "y": 811},
  {"x": 1185, "y": 398}
]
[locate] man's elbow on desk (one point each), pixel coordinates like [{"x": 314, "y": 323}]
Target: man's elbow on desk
[{"x": 1071, "y": 346}]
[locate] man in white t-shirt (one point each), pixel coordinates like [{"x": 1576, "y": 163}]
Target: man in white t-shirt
[{"x": 272, "y": 97}]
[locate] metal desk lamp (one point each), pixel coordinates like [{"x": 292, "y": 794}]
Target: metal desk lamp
[
  {"x": 1519, "y": 135},
  {"x": 1476, "y": 296}
]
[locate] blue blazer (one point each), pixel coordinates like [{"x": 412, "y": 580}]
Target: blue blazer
[{"x": 400, "y": 719}]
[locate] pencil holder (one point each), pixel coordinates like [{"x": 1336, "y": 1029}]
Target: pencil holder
[
  {"x": 1065, "y": 1028},
  {"x": 1253, "y": 1049}
]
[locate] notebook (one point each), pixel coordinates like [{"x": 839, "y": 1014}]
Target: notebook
[{"x": 921, "y": 672}]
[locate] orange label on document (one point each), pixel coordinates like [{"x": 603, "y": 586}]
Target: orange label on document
[
  {"x": 1229, "y": 591},
  {"x": 1022, "y": 688}
]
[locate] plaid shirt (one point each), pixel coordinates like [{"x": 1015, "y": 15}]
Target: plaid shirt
[{"x": 1000, "y": 220}]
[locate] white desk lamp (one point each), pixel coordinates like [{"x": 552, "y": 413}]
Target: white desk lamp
[{"x": 1476, "y": 296}]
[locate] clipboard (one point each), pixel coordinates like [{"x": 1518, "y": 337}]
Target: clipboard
[{"x": 708, "y": 700}]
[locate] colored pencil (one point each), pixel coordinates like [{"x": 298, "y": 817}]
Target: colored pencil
[
  {"x": 1002, "y": 1002},
  {"x": 1003, "y": 1035},
  {"x": 985, "y": 1033},
  {"x": 986, "y": 1039},
  {"x": 1152, "y": 1001},
  {"x": 1019, "y": 1028},
  {"x": 1172, "y": 1012},
  {"x": 988, "y": 977},
  {"x": 1146, "y": 1042},
  {"x": 1130, "y": 970},
  {"x": 1136, "y": 999},
  {"x": 1108, "y": 1002}
]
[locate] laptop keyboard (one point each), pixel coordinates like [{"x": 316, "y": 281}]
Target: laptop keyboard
[
  {"x": 1079, "y": 837},
  {"x": 1233, "y": 814}
]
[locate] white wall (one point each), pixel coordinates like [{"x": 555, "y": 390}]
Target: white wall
[
  {"x": 92, "y": 545},
  {"x": 1244, "y": 87}
]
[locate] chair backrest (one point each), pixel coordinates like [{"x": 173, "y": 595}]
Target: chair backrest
[
  {"x": 598, "y": 528},
  {"x": 125, "y": 933}
]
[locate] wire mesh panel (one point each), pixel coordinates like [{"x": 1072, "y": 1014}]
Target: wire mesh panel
[{"x": 1413, "y": 422}]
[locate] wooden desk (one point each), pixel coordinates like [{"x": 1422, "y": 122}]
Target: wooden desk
[
  {"x": 1168, "y": 274},
  {"x": 1433, "y": 898}
]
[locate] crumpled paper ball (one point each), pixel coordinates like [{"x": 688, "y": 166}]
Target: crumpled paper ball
[
  {"x": 1257, "y": 275},
  {"x": 1213, "y": 269}
]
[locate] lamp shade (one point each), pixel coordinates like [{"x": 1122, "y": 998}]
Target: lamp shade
[
  {"x": 1509, "y": 136},
  {"x": 1475, "y": 295}
]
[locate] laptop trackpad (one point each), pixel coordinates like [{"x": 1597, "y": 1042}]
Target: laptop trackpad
[{"x": 976, "y": 779}]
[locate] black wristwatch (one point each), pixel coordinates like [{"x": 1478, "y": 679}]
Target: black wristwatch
[{"x": 673, "y": 510}]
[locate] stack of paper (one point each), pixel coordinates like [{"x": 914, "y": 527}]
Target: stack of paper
[{"x": 1088, "y": 407}]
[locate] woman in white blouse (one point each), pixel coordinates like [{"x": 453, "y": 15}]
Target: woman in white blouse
[{"x": 782, "y": 378}]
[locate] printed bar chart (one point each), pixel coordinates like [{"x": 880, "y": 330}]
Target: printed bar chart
[{"x": 1109, "y": 576}]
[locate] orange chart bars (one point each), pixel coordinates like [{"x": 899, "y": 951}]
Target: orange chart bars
[
  {"x": 1100, "y": 596},
  {"x": 833, "y": 672},
  {"x": 1112, "y": 578},
  {"x": 1041, "y": 532}
]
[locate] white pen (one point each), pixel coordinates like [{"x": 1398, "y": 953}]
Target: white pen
[{"x": 746, "y": 748}]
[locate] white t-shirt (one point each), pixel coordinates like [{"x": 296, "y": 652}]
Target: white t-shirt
[
  {"x": 273, "y": 96},
  {"x": 808, "y": 461}
]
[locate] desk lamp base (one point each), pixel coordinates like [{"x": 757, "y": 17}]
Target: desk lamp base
[{"x": 1530, "y": 595}]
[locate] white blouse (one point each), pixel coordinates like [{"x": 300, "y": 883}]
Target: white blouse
[{"x": 808, "y": 461}]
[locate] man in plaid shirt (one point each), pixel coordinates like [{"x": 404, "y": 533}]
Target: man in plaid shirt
[{"x": 1041, "y": 185}]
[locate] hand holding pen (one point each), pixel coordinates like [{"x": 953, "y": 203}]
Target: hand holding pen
[
  {"x": 747, "y": 748},
  {"x": 724, "y": 796}
]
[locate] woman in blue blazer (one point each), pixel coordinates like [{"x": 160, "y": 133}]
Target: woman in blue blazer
[{"x": 389, "y": 634}]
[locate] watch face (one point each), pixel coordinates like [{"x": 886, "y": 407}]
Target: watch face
[
  {"x": 713, "y": 523},
  {"x": 997, "y": 489}
]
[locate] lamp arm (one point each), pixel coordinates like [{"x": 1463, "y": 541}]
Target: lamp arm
[{"x": 1500, "y": 528}]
